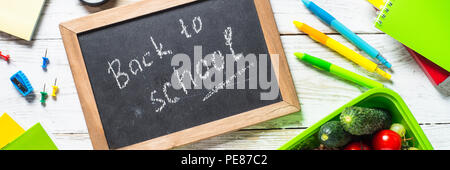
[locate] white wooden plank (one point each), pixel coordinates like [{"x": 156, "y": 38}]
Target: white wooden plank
[
  {"x": 246, "y": 140},
  {"x": 249, "y": 139},
  {"x": 62, "y": 115},
  {"x": 319, "y": 93},
  {"x": 273, "y": 139},
  {"x": 358, "y": 15},
  {"x": 315, "y": 88},
  {"x": 253, "y": 139},
  {"x": 438, "y": 136},
  {"x": 66, "y": 141}
]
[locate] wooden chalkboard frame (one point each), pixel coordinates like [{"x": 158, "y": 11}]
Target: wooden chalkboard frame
[{"x": 70, "y": 29}]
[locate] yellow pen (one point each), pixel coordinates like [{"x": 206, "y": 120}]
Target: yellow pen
[{"x": 341, "y": 49}]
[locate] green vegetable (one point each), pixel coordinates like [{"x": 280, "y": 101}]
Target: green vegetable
[
  {"x": 364, "y": 121},
  {"x": 399, "y": 128},
  {"x": 309, "y": 144},
  {"x": 332, "y": 135}
]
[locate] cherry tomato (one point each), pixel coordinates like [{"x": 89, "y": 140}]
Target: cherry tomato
[
  {"x": 357, "y": 146},
  {"x": 386, "y": 140}
]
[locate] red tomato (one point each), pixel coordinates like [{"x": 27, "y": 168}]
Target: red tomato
[
  {"x": 357, "y": 146},
  {"x": 386, "y": 140}
]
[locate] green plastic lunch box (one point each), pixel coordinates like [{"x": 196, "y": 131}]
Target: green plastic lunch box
[{"x": 381, "y": 98}]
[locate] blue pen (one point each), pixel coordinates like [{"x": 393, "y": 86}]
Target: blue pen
[{"x": 347, "y": 33}]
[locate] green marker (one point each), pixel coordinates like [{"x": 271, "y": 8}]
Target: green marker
[{"x": 339, "y": 71}]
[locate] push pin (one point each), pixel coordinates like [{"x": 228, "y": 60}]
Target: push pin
[
  {"x": 44, "y": 96},
  {"x": 45, "y": 61},
  {"x": 5, "y": 57},
  {"x": 55, "y": 88}
]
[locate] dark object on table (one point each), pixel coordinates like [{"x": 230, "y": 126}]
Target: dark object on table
[{"x": 93, "y": 3}]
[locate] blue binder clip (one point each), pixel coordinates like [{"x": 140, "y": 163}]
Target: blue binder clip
[{"x": 20, "y": 81}]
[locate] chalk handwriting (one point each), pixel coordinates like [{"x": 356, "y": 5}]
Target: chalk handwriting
[
  {"x": 198, "y": 68},
  {"x": 144, "y": 62},
  {"x": 122, "y": 78},
  {"x": 228, "y": 34},
  {"x": 218, "y": 60},
  {"x": 118, "y": 74},
  {"x": 170, "y": 100},
  {"x": 159, "y": 49},
  {"x": 161, "y": 101},
  {"x": 180, "y": 79},
  {"x": 139, "y": 67},
  {"x": 183, "y": 76},
  {"x": 197, "y": 26},
  {"x": 228, "y": 82},
  {"x": 184, "y": 29}
]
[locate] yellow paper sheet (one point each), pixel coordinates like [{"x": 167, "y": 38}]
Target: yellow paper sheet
[
  {"x": 9, "y": 130},
  {"x": 19, "y": 17}
]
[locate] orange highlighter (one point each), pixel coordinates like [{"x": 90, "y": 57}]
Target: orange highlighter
[{"x": 341, "y": 49}]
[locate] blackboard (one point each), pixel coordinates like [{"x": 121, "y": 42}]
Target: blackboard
[{"x": 129, "y": 64}]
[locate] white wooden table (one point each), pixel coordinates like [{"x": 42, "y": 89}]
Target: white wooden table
[{"x": 319, "y": 93}]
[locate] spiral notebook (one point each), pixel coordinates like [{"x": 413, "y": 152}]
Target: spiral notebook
[{"x": 423, "y": 26}]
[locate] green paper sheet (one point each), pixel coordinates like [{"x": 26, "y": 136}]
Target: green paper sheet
[
  {"x": 34, "y": 138},
  {"x": 422, "y": 25}
]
